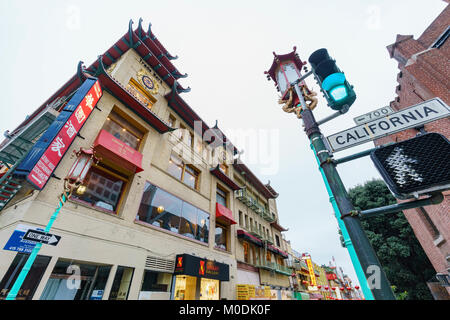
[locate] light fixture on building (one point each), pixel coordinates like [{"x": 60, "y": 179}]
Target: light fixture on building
[
  {"x": 160, "y": 209},
  {"x": 81, "y": 189},
  {"x": 81, "y": 166}
]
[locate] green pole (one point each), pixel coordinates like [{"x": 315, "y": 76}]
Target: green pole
[
  {"x": 381, "y": 288},
  {"x": 26, "y": 268},
  {"x": 348, "y": 242}
]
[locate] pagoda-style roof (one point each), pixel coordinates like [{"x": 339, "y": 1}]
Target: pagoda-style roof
[
  {"x": 252, "y": 179},
  {"x": 177, "y": 103},
  {"x": 278, "y": 58},
  {"x": 113, "y": 87},
  {"x": 224, "y": 178},
  {"x": 132, "y": 39},
  {"x": 149, "y": 52},
  {"x": 277, "y": 226}
]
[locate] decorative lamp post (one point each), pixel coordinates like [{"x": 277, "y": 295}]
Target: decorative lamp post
[
  {"x": 297, "y": 98},
  {"x": 81, "y": 166},
  {"x": 75, "y": 178}
]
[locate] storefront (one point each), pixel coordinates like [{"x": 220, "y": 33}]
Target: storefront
[{"x": 198, "y": 279}]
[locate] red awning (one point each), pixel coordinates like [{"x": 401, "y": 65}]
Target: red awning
[
  {"x": 224, "y": 215},
  {"x": 247, "y": 236},
  {"x": 112, "y": 149}
]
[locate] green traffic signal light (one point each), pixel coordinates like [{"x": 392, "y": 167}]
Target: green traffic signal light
[{"x": 336, "y": 89}]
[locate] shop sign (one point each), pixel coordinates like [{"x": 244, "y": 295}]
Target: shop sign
[
  {"x": 194, "y": 266},
  {"x": 311, "y": 271},
  {"x": 44, "y": 157},
  {"x": 16, "y": 241},
  {"x": 331, "y": 276},
  {"x": 242, "y": 292}
]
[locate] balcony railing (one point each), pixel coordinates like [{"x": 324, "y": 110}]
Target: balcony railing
[
  {"x": 283, "y": 270},
  {"x": 255, "y": 231},
  {"x": 273, "y": 266},
  {"x": 253, "y": 204},
  {"x": 267, "y": 238},
  {"x": 268, "y": 216}
]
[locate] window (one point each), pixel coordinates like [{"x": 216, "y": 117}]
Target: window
[
  {"x": 277, "y": 239},
  {"x": 188, "y": 225},
  {"x": 90, "y": 285},
  {"x": 199, "y": 146},
  {"x": 172, "y": 121},
  {"x": 163, "y": 210},
  {"x": 246, "y": 221},
  {"x": 104, "y": 189},
  {"x": 240, "y": 218},
  {"x": 190, "y": 140},
  {"x": 223, "y": 168},
  {"x": 268, "y": 256},
  {"x": 441, "y": 40},
  {"x": 186, "y": 173},
  {"x": 221, "y": 197},
  {"x": 123, "y": 130},
  {"x": 190, "y": 177},
  {"x": 180, "y": 133},
  {"x": 139, "y": 93},
  {"x": 221, "y": 237},
  {"x": 156, "y": 281},
  {"x": 246, "y": 252},
  {"x": 32, "y": 280},
  {"x": 121, "y": 284}
]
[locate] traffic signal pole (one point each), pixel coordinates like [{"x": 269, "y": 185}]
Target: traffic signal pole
[{"x": 379, "y": 285}]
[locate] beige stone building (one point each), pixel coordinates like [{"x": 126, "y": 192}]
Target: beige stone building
[{"x": 167, "y": 213}]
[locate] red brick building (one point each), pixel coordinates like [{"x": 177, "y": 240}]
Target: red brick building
[{"x": 424, "y": 73}]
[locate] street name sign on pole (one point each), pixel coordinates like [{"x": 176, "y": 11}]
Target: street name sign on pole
[
  {"x": 410, "y": 117},
  {"x": 42, "y": 237},
  {"x": 375, "y": 114}
]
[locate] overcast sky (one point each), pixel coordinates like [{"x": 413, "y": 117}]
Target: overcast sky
[{"x": 225, "y": 46}]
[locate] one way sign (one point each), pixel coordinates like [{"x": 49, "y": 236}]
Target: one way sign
[{"x": 42, "y": 237}]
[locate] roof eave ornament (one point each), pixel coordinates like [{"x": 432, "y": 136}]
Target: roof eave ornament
[
  {"x": 149, "y": 32},
  {"x": 130, "y": 33}
]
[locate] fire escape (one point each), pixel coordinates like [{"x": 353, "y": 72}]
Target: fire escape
[{"x": 15, "y": 147}]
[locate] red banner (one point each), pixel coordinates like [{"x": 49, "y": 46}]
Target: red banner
[{"x": 44, "y": 168}]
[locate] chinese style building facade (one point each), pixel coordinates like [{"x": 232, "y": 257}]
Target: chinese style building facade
[{"x": 163, "y": 214}]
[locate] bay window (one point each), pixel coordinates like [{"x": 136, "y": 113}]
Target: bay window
[
  {"x": 163, "y": 210},
  {"x": 103, "y": 189}
]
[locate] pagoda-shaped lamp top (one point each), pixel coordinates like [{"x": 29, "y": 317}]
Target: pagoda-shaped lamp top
[{"x": 285, "y": 70}]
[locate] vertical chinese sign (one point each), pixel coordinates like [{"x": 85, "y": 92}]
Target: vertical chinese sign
[
  {"x": 311, "y": 271},
  {"x": 48, "y": 151}
]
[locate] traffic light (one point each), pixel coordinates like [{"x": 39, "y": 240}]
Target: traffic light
[
  {"x": 416, "y": 166},
  {"x": 332, "y": 81}
]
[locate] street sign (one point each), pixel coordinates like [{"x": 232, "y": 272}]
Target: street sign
[
  {"x": 415, "y": 166},
  {"x": 16, "y": 241},
  {"x": 375, "y": 114},
  {"x": 410, "y": 117},
  {"x": 42, "y": 237}
]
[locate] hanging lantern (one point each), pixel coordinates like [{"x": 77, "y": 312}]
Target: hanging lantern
[
  {"x": 349, "y": 288},
  {"x": 333, "y": 288},
  {"x": 341, "y": 288},
  {"x": 326, "y": 287},
  {"x": 357, "y": 287},
  {"x": 319, "y": 286},
  {"x": 79, "y": 170}
]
